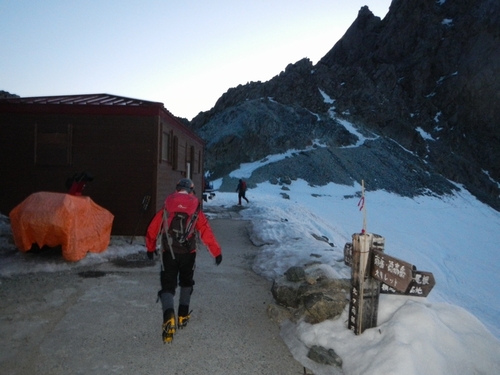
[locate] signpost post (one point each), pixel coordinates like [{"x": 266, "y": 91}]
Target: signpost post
[{"x": 363, "y": 307}]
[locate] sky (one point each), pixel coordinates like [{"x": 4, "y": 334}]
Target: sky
[{"x": 185, "y": 54}]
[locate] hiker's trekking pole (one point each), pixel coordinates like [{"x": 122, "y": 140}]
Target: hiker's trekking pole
[
  {"x": 159, "y": 243},
  {"x": 144, "y": 208},
  {"x": 169, "y": 238},
  {"x": 191, "y": 224}
]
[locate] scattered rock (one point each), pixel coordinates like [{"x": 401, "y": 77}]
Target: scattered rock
[
  {"x": 324, "y": 305},
  {"x": 295, "y": 274},
  {"x": 324, "y": 356},
  {"x": 278, "y": 314},
  {"x": 285, "y": 293},
  {"x": 323, "y": 238},
  {"x": 286, "y": 180}
]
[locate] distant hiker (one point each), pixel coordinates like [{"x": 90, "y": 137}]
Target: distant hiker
[
  {"x": 175, "y": 226},
  {"x": 241, "y": 189}
]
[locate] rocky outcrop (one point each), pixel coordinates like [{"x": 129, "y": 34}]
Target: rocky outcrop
[
  {"x": 427, "y": 76},
  {"x": 309, "y": 295},
  {"x": 255, "y": 128}
]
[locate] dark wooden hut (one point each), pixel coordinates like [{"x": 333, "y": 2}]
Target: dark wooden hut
[{"x": 132, "y": 148}]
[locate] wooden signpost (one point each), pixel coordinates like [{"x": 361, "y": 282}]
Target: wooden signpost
[{"x": 374, "y": 272}]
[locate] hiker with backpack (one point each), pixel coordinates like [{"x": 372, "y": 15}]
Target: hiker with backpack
[
  {"x": 241, "y": 189},
  {"x": 172, "y": 232}
]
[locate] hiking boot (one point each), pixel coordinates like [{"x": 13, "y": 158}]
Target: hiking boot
[
  {"x": 183, "y": 321},
  {"x": 168, "y": 328},
  {"x": 184, "y": 315}
]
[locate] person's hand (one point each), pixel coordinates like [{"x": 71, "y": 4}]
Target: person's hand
[
  {"x": 150, "y": 254},
  {"x": 218, "y": 259}
]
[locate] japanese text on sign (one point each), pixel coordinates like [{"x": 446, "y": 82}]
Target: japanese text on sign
[
  {"x": 420, "y": 286},
  {"x": 392, "y": 271}
]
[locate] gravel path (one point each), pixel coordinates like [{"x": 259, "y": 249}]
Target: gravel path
[{"x": 105, "y": 320}]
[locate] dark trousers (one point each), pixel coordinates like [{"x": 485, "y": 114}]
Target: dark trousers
[
  {"x": 242, "y": 195},
  {"x": 178, "y": 271}
]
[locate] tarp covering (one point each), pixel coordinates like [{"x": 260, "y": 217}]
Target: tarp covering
[{"x": 75, "y": 222}]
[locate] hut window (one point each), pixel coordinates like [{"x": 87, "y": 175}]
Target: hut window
[
  {"x": 175, "y": 158},
  {"x": 53, "y": 144},
  {"x": 199, "y": 161},
  {"x": 171, "y": 146},
  {"x": 191, "y": 156},
  {"x": 165, "y": 147}
]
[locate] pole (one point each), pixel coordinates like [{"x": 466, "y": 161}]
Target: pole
[
  {"x": 363, "y": 306},
  {"x": 363, "y": 206},
  {"x": 144, "y": 208}
]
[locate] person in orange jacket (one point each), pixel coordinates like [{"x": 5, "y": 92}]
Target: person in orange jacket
[{"x": 178, "y": 258}]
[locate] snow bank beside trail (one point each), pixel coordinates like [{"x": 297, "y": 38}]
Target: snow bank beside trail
[
  {"x": 450, "y": 236},
  {"x": 413, "y": 337}
]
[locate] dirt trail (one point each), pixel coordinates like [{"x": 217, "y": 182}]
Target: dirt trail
[{"x": 105, "y": 320}]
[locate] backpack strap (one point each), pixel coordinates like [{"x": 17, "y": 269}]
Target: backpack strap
[
  {"x": 190, "y": 226},
  {"x": 169, "y": 238}
]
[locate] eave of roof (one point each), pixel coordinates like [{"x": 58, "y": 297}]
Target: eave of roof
[
  {"x": 98, "y": 103},
  {"x": 89, "y": 99}
]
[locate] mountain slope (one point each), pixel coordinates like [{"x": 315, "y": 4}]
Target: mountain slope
[{"x": 426, "y": 77}]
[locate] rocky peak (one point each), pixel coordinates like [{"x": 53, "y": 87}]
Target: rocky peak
[{"x": 427, "y": 76}]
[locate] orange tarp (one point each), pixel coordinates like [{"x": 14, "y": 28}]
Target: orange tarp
[{"x": 75, "y": 222}]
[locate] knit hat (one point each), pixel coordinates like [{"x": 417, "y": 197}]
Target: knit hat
[{"x": 185, "y": 184}]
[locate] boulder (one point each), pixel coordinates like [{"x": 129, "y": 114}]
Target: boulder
[
  {"x": 324, "y": 356},
  {"x": 309, "y": 294}
]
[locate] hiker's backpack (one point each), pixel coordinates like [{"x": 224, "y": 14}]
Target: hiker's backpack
[
  {"x": 180, "y": 229},
  {"x": 243, "y": 186},
  {"x": 182, "y": 212}
]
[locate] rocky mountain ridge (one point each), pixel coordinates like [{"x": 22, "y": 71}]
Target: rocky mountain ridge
[
  {"x": 5, "y": 95},
  {"x": 422, "y": 84}
]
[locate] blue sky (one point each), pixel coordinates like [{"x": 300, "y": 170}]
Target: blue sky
[{"x": 183, "y": 54}]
